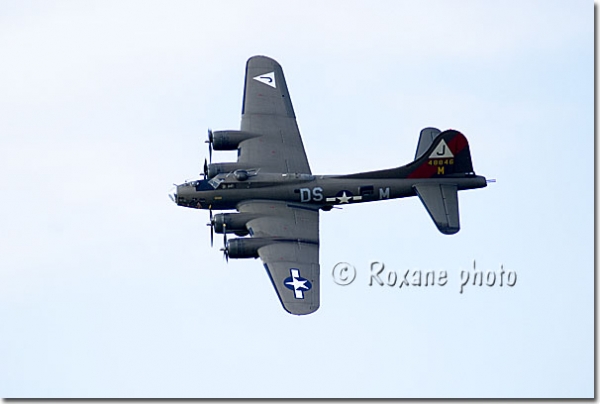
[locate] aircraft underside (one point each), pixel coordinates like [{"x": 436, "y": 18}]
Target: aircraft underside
[{"x": 278, "y": 200}]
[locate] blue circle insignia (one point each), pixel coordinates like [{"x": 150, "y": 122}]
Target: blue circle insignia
[{"x": 297, "y": 283}]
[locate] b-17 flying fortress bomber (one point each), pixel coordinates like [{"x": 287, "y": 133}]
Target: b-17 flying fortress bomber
[{"x": 278, "y": 199}]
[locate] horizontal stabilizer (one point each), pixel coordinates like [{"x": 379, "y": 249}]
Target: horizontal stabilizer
[
  {"x": 441, "y": 201},
  {"x": 426, "y": 140}
]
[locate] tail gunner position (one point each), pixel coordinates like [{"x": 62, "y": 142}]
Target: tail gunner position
[{"x": 278, "y": 199}]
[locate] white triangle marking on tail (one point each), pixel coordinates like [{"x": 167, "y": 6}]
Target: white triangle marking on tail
[
  {"x": 267, "y": 78},
  {"x": 441, "y": 151}
]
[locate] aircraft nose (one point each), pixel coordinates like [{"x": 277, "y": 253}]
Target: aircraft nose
[{"x": 173, "y": 194}]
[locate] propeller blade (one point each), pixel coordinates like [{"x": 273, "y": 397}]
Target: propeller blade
[
  {"x": 225, "y": 254},
  {"x": 212, "y": 232},
  {"x": 212, "y": 225},
  {"x": 173, "y": 193},
  {"x": 205, "y": 169},
  {"x": 210, "y": 142},
  {"x": 225, "y": 247}
]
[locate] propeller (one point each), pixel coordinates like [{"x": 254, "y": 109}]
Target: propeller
[
  {"x": 210, "y": 143},
  {"x": 173, "y": 193},
  {"x": 212, "y": 225},
  {"x": 225, "y": 248}
]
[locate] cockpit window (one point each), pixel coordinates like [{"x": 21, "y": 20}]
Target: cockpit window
[{"x": 215, "y": 182}]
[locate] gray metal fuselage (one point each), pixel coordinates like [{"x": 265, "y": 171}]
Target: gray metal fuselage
[{"x": 314, "y": 191}]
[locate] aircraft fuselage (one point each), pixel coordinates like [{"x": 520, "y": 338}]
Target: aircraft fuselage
[{"x": 318, "y": 192}]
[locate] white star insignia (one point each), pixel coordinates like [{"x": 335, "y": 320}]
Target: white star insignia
[
  {"x": 344, "y": 198},
  {"x": 297, "y": 284}
]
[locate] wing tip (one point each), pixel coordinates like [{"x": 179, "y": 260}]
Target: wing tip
[
  {"x": 448, "y": 230},
  {"x": 262, "y": 59},
  {"x": 301, "y": 309}
]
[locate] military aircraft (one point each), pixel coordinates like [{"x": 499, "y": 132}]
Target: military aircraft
[{"x": 278, "y": 198}]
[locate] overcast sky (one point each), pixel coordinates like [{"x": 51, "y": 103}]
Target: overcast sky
[{"x": 108, "y": 289}]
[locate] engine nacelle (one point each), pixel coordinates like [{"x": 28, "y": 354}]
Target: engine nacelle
[
  {"x": 230, "y": 139},
  {"x": 246, "y": 247},
  {"x": 232, "y": 222},
  {"x": 219, "y": 168}
]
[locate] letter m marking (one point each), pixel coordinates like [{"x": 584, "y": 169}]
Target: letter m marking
[{"x": 384, "y": 194}]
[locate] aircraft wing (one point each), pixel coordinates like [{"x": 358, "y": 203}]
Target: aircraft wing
[
  {"x": 267, "y": 111},
  {"x": 292, "y": 260}
]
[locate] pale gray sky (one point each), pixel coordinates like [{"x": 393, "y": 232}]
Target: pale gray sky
[{"x": 107, "y": 289}]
